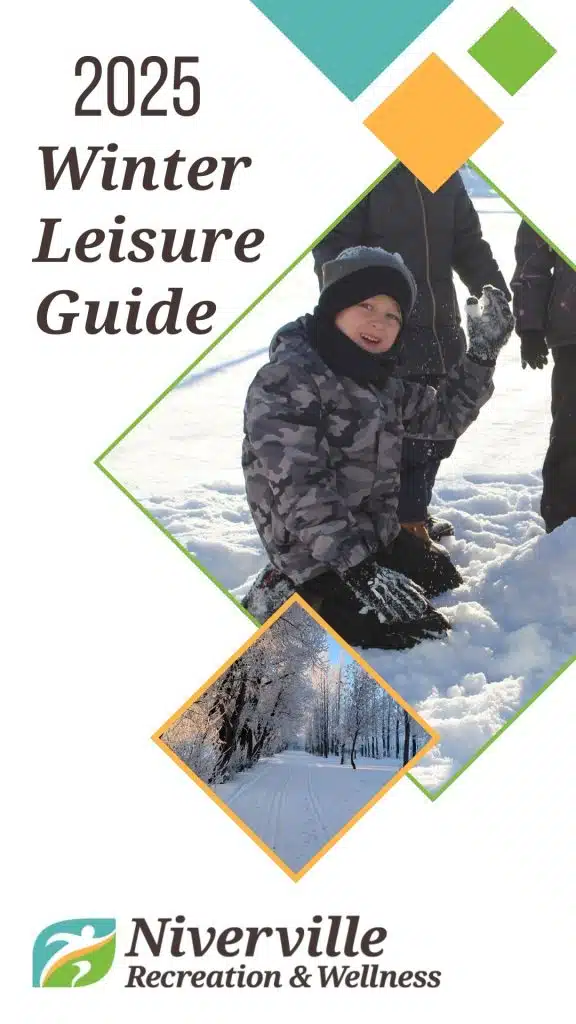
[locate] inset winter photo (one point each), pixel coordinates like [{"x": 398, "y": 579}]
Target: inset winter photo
[
  {"x": 296, "y": 737},
  {"x": 390, "y": 433}
]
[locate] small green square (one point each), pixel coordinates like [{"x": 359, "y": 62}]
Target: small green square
[{"x": 512, "y": 51}]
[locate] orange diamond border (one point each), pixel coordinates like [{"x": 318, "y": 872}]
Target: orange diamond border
[{"x": 297, "y": 875}]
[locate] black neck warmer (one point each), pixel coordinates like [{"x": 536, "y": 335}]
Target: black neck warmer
[{"x": 344, "y": 357}]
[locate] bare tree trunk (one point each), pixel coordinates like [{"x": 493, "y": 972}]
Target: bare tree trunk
[
  {"x": 353, "y": 749},
  {"x": 397, "y": 736},
  {"x": 338, "y": 724},
  {"x": 407, "y": 722},
  {"x": 325, "y": 717}
]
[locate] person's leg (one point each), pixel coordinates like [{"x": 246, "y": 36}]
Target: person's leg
[
  {"x": 438, "y": 451},
  {"x": 413, "y": 494},
  {"x": 453, "y": 344},
  {"x": 559, "y": 469}
]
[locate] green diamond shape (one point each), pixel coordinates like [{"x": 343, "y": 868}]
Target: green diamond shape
[
  {"x": 512, "y": 51},
  {"x": 100, "y": 463}
]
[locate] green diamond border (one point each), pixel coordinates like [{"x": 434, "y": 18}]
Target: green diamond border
[{"x": 98, "y": 461}]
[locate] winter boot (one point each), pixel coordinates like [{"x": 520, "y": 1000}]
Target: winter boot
[
  {"x": 419, "y": 530},
  {"x": 427, "y": 563},
  {"x": 268, "y": 593},
  {"x": 438, "y": 528}
]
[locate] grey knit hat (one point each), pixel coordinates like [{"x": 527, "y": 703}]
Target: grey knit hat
[{"x": 367, "y": 267}]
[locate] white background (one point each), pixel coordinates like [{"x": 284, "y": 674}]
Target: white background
[{"x": 108, "y": 628}]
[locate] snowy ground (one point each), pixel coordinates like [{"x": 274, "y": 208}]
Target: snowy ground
[
  {"x": 296, "y": 802},
  {"x": 513, "y": 618}
]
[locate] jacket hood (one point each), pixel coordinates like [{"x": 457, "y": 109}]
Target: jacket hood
[
  {"x": 305, "y": 343},
  {"x": 291, "y": 342}
]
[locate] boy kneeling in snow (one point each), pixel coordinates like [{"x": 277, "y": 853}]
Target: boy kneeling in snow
[{"x": 324, "y": 422}]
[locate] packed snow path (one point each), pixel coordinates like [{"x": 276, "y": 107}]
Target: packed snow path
[{"x": 296, "y": 802}]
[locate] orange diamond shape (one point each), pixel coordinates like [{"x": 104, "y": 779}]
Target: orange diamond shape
[{"x": 433, "y": 122}]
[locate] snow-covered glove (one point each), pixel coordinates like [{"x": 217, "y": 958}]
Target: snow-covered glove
[
  {"x": 490, "y": 323},
  {"x": 533, "y": 349},
  {"x": 391, "y": 595}
]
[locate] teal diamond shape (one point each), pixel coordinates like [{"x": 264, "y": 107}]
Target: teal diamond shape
[{"x": 351, "y": 43}]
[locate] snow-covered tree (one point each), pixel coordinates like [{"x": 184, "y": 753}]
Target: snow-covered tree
[
  {"x": 353, "y": 715},
  {"x": 257, "y": 706}
]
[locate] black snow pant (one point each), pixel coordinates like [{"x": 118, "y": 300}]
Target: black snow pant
[
  {"x": 559, "y": 469},
  {"x": 421, "y": 459},
  {"x": 418, "y": 470}
]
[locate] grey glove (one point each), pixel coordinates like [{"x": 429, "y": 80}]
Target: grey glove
[
  {"x": 490, "y": 323},
  {"x": 391, "y": 595}
]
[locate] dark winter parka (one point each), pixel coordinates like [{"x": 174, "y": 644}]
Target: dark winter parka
[
  {"x": 321, "y": 453},
  {"x": 436, "y": 233},
  {"x": 544, "y": 288}
]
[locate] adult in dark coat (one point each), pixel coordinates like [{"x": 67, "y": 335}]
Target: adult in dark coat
[
  {"x": 544, "y": 288},
  {"x": 436, "y": 233}
]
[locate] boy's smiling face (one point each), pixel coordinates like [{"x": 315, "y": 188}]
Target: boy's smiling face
[{"x": 373, "y": 324}]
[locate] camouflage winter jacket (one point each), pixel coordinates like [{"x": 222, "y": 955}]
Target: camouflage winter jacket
[{"x": 321, "y": 453}]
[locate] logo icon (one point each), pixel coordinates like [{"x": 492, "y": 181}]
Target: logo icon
[{"x": 71, "y": 954}]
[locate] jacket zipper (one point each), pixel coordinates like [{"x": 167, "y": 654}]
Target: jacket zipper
[{"x": 428, "y": 280}]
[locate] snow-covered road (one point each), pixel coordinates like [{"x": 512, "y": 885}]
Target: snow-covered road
[{"x": 296, "y": 802}]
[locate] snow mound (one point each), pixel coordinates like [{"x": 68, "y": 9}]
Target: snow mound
[
  {"x": 513, "y": 621},
  {"x": 213, "y": 523}
]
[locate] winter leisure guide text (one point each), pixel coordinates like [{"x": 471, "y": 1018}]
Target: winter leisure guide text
[{"x": 64, "y": 310}]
